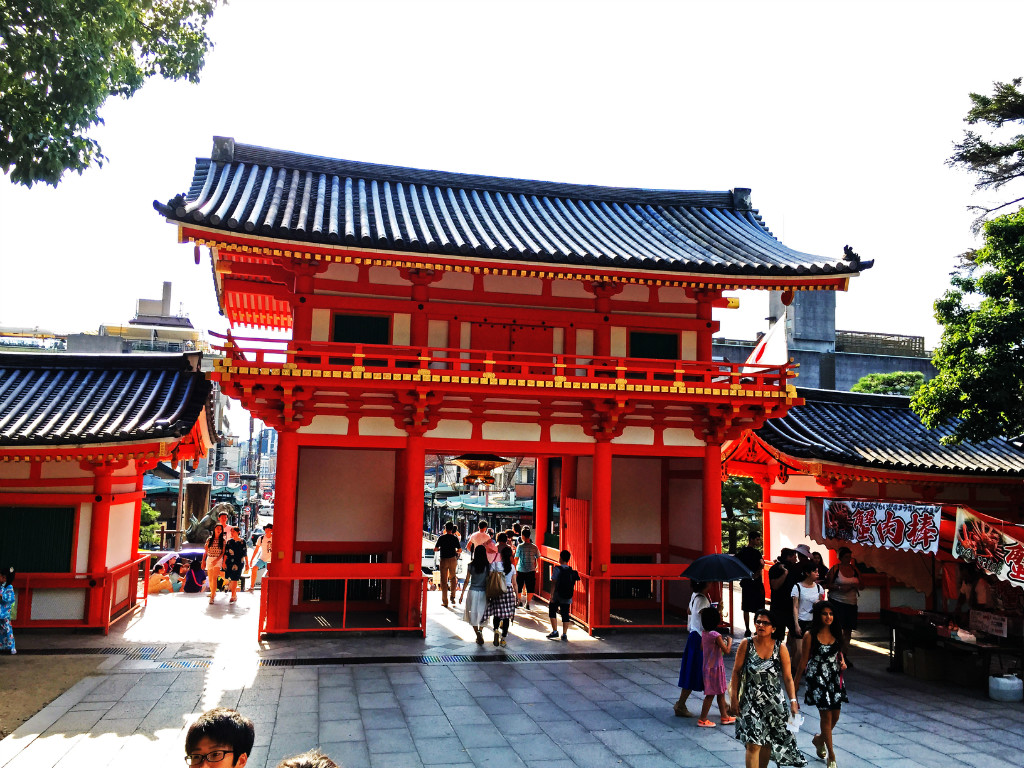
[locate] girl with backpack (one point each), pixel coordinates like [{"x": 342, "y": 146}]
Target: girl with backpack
[
  {"x": 563, "y": 584},
  {"x": 476, "y": 582}
]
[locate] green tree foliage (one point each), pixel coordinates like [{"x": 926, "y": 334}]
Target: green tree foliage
[
  {"x": 61, "y": 59},
  {"x": 741, "y": 501},
  {"x": 997, "y": 158},
  {"x": 148, "y": 524},
  {"x": 980, "y": 360},
  {"x": 896, "y": 383}
]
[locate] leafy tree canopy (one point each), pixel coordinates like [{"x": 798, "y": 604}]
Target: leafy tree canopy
[
  {"x": 741, "y": 502},
  {"x": 896, "y": 383},
  {"x": 61, "y": 59},
  {"x": 997, "y": 158},
  {"x": 979, "y": 359}
]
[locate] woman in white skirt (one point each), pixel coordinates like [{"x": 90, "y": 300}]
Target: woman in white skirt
[
  {"x": 476, "y": 581},
  {"x": 503, "y": 607}
]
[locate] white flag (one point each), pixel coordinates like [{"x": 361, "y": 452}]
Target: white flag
[{"x": 771, "y": 350}]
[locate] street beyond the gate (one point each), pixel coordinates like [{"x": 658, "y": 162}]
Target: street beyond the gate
[{"x": 590, "y": 702}]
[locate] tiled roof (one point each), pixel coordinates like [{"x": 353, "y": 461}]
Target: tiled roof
[
  {"x": 266, "y": 192},
  {"x": 881, "y": 431},
  {"x": 61, "y": 399}
]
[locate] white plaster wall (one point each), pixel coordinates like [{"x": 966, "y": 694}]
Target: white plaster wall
[
  {"x": 122, "y": 539},
  {"x": 584, "y": 342},
  {"x": 636, "y": 500},
  {"x": 50, "y": 470},
  {"x": 635, "y": 436},
  {"x": 379, "y": 426},
  {"x": 321, "y": 327},
  {"x": 786, "y": 530},
  {"x": 677, "y": 436},
  {"x": 437, "y": 333},
  {"x": 326, "y": 425},
  {"x": 336, "y": 271},
  {"x": 558, "y": 341},
  {"x": 687, "y": 345},
  {"x": 81, "y": 564},
  {"x": 345, "y": 495},
  {"x": 572, "y": 289},
  {"x": 672, "y": 295},
  {"x": 401, "y": 330},
  {"x": 618, "y": 341},
  {"x": 506, "y": 430},
  {"x": 11, "y": 471},
  {"x": 569, "y": 433},
  {"x": 633, "y": 293},
  {"x": 455, "y": 281},
  {"x": 452, "y": 429},
  {"x": 386, "y": 276},
  {"x": 531, "y": 286}
]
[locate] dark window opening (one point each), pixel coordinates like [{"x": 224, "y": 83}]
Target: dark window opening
[
  {"x": 37, "y": 539},
  {"x": 362, "y": 329},
  {"x": 334, "y": 589},
  {"x": 654, "y": 346}
]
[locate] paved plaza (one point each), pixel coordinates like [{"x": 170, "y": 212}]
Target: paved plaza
[{"x": 436, "y": 703}]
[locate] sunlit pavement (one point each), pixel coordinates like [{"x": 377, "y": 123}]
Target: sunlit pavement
[{"x": 439, "y": 705}]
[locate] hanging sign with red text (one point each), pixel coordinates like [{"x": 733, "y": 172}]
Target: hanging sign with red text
[
  {"x": 989, "y": 548},
  {"x": 910, "y": 527}
]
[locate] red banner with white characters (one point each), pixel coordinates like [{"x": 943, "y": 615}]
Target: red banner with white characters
[
  {"x": 895, "y": 525},
  {"x": 989, "y": 548}
]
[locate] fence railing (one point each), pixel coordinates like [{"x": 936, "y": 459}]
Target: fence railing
[
  {"x": 328, "y": 359},
  {"x": 335, "y": 615}
]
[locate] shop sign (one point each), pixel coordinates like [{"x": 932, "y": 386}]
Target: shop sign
[
  {"x": 988, "y": 622},
  {"x": 909, "y": 527},
  {"x": 220, "y": 478},
  {"x": 989, "y": 548}
]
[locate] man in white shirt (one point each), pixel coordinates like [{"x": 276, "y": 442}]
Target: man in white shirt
[
  {"x": 261, "y": 554},
  {"x": 481, "y": 537}
]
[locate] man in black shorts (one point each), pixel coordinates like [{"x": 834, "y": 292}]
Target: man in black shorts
[
  {"x": 526, "y": 558},
  {"x": 448, "y": 544},
  {"x": 563, "y": 580}
]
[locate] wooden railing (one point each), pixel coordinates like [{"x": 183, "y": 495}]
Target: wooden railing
[{"x": 373, "y": 360}]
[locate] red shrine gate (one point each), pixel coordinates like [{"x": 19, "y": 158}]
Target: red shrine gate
[{"x": 450, "y": 313}]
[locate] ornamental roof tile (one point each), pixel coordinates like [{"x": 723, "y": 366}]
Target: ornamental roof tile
[
  {"x": 247, "y": 189},
  {"x": 881, "y": 432},
  {"x": 62, "y": 399}
]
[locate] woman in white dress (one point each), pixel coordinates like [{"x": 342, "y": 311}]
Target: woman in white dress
[{"x": 476, "y": 582}]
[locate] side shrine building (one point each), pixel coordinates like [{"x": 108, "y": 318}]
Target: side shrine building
[{"x": 432, "y": 312}]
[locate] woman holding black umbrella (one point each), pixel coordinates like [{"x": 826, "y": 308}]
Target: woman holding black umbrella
[{"x": 691, "y": 669}]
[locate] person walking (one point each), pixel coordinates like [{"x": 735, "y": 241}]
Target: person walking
[
  {"x": 480, "y": 537},
  {"x": 7, "y": 602},
  {"x": 476, "y": 582},
  {"x": 501, "y": 608},
  {"x": 235, "y": 559},
  {"x": 781, "y": 578},
  {"x": 713, "y": 646},
  {"x": 752, "y": 590},
  {"x": 843, "y": 585},
  {"x": 213, "y": 558},
  {"x": 449, "y": 547},
  {"x": 806, "y": 593},
  {"x": 761, "y": 682},
  {"x": 691, "y": 667},
  {"x": 526, "y": 558},
  {"x": 262, "y": 553},
  {"x": 563, "y": 584},
  {"x": 824, "y": 664}
]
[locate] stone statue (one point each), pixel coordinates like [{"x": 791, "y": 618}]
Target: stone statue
[{"x": 199, "y": 531}]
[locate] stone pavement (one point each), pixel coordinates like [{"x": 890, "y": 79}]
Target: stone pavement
[{"x": 442, "y": 706}]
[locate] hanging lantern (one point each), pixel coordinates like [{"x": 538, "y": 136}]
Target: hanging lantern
[{"x": 479, "y": 466}]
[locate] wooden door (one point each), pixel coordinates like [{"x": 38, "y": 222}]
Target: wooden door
[{"x": 576, "y": 538}]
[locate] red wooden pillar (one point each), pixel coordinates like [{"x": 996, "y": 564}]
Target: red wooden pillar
[
  {"x": 99, "y": 532},
  {"x": 412, "y": 524},
  {"x": 704, "y": 335},
  {"x": 601, "y": 531},
  {"x": 711, "y": 508},
  {"x": 279, "y": 601}
]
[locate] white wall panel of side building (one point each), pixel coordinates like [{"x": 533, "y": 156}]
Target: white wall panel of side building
[
  {"x": 345, "y": 495},
  {"x": 121, "y": 536}
]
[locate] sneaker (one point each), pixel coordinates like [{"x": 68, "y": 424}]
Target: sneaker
[
  {"x": 479, "y": 637},
  {"x": 14, "y": 651},
  {"x": 552, "y": 636},
  {"x": 497, "y": 639},
  {"x": 728, "y": 720},
  {"x": 705, "y": 724},
  {"x": 503, "y": 643},
  {"x": 565, "y": 638}
]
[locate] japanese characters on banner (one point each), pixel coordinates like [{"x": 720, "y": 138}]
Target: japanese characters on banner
[
  {"x": 910, "y": 527},
  {"x": 992, "y": 550}
]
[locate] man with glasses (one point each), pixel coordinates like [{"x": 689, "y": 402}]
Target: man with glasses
[{"x": 220, "y": 737}]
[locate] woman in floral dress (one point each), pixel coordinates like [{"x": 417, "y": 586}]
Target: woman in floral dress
[
  {"x": 825, "y": 688},
  {"x": 761, "y": 683},
  {"x": 7, "y": 598}
]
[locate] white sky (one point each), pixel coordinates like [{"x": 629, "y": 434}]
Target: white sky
[{"x": 838, "y": 115}]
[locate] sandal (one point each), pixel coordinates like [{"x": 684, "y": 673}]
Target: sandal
[
  {"x": 706, "y": 724},
  {"x": 728, "y": 720},
  {"x": 819, "y": 745}
]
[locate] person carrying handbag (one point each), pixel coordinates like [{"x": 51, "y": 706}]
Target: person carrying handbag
[{"x": 501, "y": 600}]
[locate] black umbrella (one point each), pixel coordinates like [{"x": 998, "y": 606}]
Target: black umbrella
[{"x": 717, "y": 568}]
